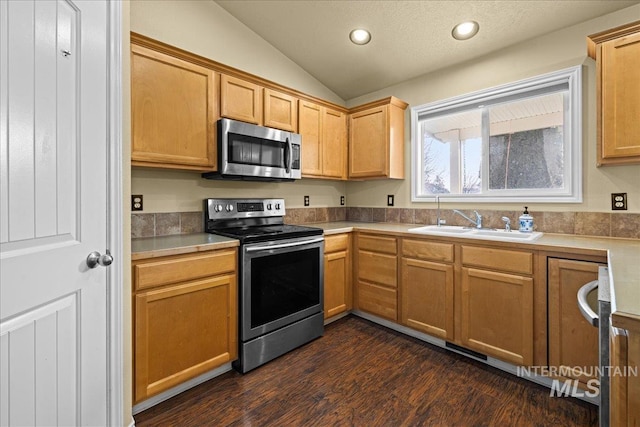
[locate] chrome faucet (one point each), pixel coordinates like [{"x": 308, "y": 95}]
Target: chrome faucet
[
  {"x": 439, "y": 221},
  {"x": 507, "y": 223},
  {"x": 477, "y": 222}
]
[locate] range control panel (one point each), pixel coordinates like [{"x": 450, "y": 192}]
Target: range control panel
[{"x": 244, "y": 208}]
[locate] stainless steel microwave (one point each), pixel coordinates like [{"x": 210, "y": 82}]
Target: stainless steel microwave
[{"x": 251, "y": 152}]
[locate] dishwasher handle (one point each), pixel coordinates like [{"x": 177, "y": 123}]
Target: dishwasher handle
[{"x": 583, "y": 305}]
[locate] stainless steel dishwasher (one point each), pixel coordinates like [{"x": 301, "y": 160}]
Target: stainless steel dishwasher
[{"x": 594, "y": 302}]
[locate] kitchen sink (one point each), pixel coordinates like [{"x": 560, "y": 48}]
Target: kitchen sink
[
  {"x": 507, "y": 235},
  {"x": 487, "y": 234},
  {"x": 443, "y": 229}
]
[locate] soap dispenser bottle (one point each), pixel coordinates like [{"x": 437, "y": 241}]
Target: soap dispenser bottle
[{"x": 526, "y": 221}]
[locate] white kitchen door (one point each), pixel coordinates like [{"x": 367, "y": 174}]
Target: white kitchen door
[{"x": 54, "y": 131}]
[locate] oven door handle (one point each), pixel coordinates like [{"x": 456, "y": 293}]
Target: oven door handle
[{"x": 284, "y": 245}]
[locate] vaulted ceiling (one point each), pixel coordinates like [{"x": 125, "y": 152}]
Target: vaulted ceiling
[{"x": 409, "y": 38}]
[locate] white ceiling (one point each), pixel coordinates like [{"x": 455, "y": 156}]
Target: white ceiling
[{"x": 409, "y": 38}]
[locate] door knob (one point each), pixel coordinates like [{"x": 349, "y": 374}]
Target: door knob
[{"x": 94, "y": 259}]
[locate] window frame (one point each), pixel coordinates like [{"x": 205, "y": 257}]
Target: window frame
[{"x": 572, "y": 128}]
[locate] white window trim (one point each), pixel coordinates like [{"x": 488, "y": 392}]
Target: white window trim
[{"x": 573, "y": 157}]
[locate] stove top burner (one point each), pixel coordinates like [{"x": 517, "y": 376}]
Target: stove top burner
[{"x": 268, "y": 232}]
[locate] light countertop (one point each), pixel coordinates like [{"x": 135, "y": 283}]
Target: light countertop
[{"x": 153, "y": 247}]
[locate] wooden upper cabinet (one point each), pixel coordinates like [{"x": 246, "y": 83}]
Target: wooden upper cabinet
[
  {"x": 617, "y": 55},
  {"x": 280, "y": 110},
  {"x": 376, "y": 140},
  {"x": 334, "y": 144},
  {"x": 324, "y": 141},
  {"x": 240, "y": 100},
  {"x": 310, "y": 127},
  {"x": 172, "y": 112}
]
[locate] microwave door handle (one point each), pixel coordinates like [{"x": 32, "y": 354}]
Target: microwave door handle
[{"x": 287, "y": 156}]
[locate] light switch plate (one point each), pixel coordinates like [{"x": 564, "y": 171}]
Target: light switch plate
[{"x": 390, "y": 200}]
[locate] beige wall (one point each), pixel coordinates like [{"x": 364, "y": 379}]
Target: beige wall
[
  {"x": 205, "y": 28},
  {"x": 551, "y": 52},
  {"x": 167, "y": 191},
  {"x": 177, "y": 191}
]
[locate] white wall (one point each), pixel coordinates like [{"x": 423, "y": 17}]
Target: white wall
[{"x": 551, "y": 52}]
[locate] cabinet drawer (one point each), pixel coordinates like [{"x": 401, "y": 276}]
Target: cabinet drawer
[
  {"x": 378, "y": 268},
  {"x": 377, "y": 244},
  {"x": 499, "y": 259},
  {"x": 378, "y": 300},
  {"x": 338, "y": 242},
  {"x": 423, "y": 249},
  {"x": 164, "y": 271}
]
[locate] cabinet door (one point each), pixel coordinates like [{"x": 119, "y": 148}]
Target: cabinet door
[
  {"x": 620, "y": 97},
  {"x": 240, "y": 100},
  {"x": 368, "y": 143},
  {"x": 573, "y": 342},
  {"x": 172, "y": 112},
  {"x": 497, "y": 315},
  {"x": 280, "y": 110},
  {"x": 618, "y": 391},
  {"x": 337, "y": 275},
  {"x": 310, "y": 127},
  {"x": 427, "y": 297},
  {"x": 334, "y": 144},
  {"x": 337, "y": 283},
  {"x": 183, "y": 331}
]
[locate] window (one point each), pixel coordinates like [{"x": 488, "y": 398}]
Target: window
[{"x": 519, "y": 142}]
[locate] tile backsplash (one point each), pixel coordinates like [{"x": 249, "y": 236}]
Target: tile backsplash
[{"x": 626, "y": 225}]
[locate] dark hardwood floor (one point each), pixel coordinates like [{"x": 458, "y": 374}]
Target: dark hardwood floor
[{"x": 362, "y": 374}]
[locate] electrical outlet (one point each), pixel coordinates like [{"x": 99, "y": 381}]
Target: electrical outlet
[
  {"x": 136, "y": 202},
  {"x": 619, "y": 201},
  {"x": 306, "y": 200},
  {"x": 390, "y": 200},
  {"x": 341, "y": 200}
]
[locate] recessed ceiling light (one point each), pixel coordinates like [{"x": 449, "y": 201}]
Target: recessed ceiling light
[
  {"x": 465, "y": 30},
  {"x": 360, "y": 36}
]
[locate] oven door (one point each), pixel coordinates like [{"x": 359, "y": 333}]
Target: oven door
[{"x": 281, "y": 283}]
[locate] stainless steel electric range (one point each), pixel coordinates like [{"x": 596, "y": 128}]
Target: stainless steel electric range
[{"x": 280, "y": 282}]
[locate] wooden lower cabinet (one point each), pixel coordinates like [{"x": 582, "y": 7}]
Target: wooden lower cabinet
[
  {"x": 497, "y": 315},
  {"x": 427, "y": 287},
  {"x": 337, "y": 274},
  {"x": 377, "y": 275},
  {"x": 573, "y": 342},
  {"x": 624, "y": 356},
  {"x": 187, "y": 327}
]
